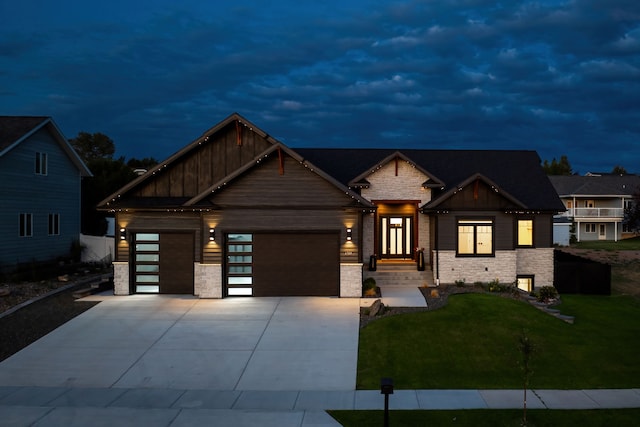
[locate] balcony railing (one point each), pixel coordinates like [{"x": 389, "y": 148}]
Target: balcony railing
[{"x": 595, "y": 213}]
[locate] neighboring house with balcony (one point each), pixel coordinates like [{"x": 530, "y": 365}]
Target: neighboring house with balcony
[
  {"x": 595, "y": 205},
  {"x": 40, "y": 176},
  {"x": 236, "y": 212}
]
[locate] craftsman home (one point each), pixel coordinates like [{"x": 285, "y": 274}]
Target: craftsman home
[
  {"x": 40, "y": 175},
  {"x": 595, "y": 204},
  {"x": 237, "y": 212}
]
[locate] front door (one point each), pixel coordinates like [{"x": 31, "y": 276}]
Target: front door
[
  {"x": 602, "y": 232},
  {"x": 396, "y": 236}
]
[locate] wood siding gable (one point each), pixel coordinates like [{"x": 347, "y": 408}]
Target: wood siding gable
[
  {"x": 208, "y": 162},
  {"x": 278, "y": 180},
  {"x": 475, "y": 193}
]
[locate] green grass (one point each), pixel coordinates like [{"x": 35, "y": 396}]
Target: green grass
[
  {"x": 492, "y": 418},
  {"x": 473, "y": 343},
  {"x": 621, "y": 245}
]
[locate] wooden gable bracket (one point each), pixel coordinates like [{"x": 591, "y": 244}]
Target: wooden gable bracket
[
  {"x": 280, "y": 162},
  {"x": 476, "y": 187},
  {"x": 396, "y": 165},
  {"x": 238, "y": 133}
]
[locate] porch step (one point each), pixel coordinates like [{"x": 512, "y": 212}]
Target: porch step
[{"x": 400, "y": 274}]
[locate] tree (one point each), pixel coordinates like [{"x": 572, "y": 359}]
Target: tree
[
  {"x": 619, "y": 170},
  {"x": 93, "y": 146},
  {"x": 109, "y": 175},
  {"x": 632, "y": 214},
  {"x": 146, "y": 163},
  {"x": 526, "y": 348},
  {"x": 562, "y": 167}
]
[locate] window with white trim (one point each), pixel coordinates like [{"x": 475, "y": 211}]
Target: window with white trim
[
  {"x": 26, "y": 225},
  {"x": 590, "y": 227},
  {"x": 475, "y": 237},
  {"x": 41, "y": 163},
  {"x": 54, "y": 224}
]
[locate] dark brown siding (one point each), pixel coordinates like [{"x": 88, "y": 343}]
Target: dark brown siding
[
  {"x": 263, "y": 185},
  {"x": 176, "y": 263},
  {"x": 296, "y": 264},
  {"x": 482, "y": 198},
  {"x": 283, "y": 220},
  {"x": 205, "y": 165},
  {"x": 503, "y": 229},
  {"x": 543, "y": 229},
  {"x": 158, "y": 222}
]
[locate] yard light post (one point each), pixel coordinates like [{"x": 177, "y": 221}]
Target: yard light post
[{"x": 386, "y": 388}]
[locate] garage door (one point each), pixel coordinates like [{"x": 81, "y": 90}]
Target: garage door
[
  {"x": 297, "y": 264},
  {"x": 163, "y": 263}
]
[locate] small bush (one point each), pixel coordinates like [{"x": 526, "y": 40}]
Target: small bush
[
  {"x": 496, "y": 286},
  {"x": 368, "y": 284},
  {"x": 547, "y": 293},
  {"x": 460, "y": 283}
]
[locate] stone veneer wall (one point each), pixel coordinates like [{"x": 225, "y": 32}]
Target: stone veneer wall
[
  {"x": 351, "y": 280},
  {"x": 121, "y": 278},
  {"x": 476, "y": 269},
  {"x": 538, "y": 262},
  {"x": 207, "y": 280},
  {"x": 407, "y": 185},
  {"x": 368, "y": 230}
]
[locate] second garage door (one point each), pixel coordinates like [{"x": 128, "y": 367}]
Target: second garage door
[{"x": 296, "y": 264}]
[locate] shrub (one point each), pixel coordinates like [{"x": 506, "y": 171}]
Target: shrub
[
  {"x": 460, "y": 283},
  {"x": 547, "y": 293},
  {"x": 368, "y": 283}
]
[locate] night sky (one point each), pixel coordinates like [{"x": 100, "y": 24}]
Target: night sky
[{"x": 558, "y": 77}]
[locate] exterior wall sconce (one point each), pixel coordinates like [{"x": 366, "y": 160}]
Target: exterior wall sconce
[
  {"x": 123, "y": 234},
  {"x": 349, "y": 234},
  {"x": 212, "y": 234}
]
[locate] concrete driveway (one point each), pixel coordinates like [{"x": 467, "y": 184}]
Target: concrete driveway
[{"x": 173, "y": 342}]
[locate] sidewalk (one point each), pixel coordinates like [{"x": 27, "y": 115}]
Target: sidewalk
[{"x": 59, "y": 406}]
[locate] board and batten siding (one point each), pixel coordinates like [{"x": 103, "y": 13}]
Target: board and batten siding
[
  {"x": 206, "y": 164},
  {"x": 24, "y": 191}
]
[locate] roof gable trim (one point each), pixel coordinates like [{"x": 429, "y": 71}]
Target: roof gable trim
[
  {"x": 358, "y": 181},
  {"x": 477, "y": 176}
]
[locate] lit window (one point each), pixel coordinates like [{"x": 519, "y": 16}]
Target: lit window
[
  {"x": 475, "y": 237},
  {"x": 525, "y": 232},
  {"x": 41, "y": 163},
  {"x": 54, "y": 224},
  {"x": 26, "y": 225}
]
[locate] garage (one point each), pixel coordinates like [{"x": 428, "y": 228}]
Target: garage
[
  {"x": 163, "y": 263},
  {"x": 283, "y": 264}
]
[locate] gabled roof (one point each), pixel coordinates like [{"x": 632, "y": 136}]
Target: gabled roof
[
  {"x": 360, "y": 180},
  {"x": 16, "y": 129},
  {"x": 194, "y": 201},
  {"x": 278, "y": 146},
  {"x": 514, "y": 172},
  {"x": 595, "y": 185},
  {"x": 475, "y": 177}
]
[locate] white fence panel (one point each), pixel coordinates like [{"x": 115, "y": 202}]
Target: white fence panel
[{"x": 97, "y": 248}]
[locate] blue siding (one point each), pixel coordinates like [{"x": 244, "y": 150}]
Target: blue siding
[{"x": 23, "y": 191}]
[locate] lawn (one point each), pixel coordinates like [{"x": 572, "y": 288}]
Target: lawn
[
  {"x": 473, "y": 343},
  {"x": 491, "y": 418},
  {"x": 607, "y": 245}
]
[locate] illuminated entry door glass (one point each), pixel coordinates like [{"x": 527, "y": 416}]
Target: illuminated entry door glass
[
  {"x": 239, "y": 264},
  {"x": 396, "y": 237}
]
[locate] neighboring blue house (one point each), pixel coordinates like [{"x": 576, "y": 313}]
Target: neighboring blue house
[{"x": 40, "y": 178}]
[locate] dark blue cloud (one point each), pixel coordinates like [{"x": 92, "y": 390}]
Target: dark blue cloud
[{"x": 560, "y": 77}]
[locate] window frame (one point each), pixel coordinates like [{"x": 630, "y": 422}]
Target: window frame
[
  {"x": 475, "y": 222},
  {"x": 54, "y": 224},
  {"x": 25, "y": 224},
  {"x": 590, "y": 227},
  {"x": 533, "y": 234},
  {"x": 41, "y": 165}
]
